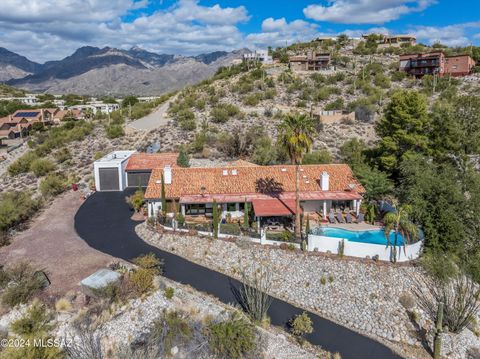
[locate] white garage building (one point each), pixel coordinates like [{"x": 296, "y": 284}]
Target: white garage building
[{"x": 110, "y": 172}]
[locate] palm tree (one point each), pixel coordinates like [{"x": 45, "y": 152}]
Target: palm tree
[
  {"x": 399, "y": 222},
  {"x": 296, "y": 136}
]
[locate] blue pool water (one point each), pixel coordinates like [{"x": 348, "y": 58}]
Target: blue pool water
[{"x": 376, "y": 236}]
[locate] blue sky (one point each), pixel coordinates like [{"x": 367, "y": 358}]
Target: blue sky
[{"x": 51, "y": 29}]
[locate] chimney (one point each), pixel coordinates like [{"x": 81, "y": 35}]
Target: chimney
[
  {"x": 167, "y": 174},
  {"x": 325, "y": 181}
]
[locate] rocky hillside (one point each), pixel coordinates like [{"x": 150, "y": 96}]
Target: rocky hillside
[
  {"x": 95, "y": 71},
  {"x": 236, "y": 113}
]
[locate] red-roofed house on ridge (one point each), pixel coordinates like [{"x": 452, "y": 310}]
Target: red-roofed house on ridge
[{"x": 192, "y": 191}]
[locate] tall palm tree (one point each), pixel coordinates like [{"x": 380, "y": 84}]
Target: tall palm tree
[
  {"x": 399, "y": 222},
  {"x": 296, "y": 136}
]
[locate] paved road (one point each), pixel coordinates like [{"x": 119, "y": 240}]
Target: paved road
[
  {"x": 104, "y": 223},
  {"x": 152, "y": 121}
]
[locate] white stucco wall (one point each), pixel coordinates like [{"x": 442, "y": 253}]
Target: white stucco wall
[{"x": 362, "y": 250}]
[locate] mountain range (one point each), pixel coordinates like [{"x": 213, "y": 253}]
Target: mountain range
[{"x": 110, "y": 71}]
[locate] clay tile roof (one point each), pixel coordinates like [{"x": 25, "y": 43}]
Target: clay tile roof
[
  {"x": 251, "y": 180},
  {"x": 149, "y": 161}
]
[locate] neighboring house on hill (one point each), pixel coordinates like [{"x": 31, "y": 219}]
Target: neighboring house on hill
[
  {"x": 261, "y": 56},
  {"x": 14, "y": 127},
  {"x": 61, "y": 115},
  {"x": 460, "y": 65},
  {"x": 312, "y": 61},
  {"x": 334, "y": 116},
  {"x": 436, "y": 63}
]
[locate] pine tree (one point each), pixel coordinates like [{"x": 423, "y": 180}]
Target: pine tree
[{"x": 183, "y": 160}]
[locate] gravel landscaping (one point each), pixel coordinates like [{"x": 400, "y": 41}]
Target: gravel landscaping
[{"x": 361, "y": 295}]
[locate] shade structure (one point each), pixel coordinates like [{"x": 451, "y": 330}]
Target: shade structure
[{"x": 273, "y": 207}]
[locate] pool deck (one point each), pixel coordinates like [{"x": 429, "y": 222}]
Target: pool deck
[{"x": 353, "y": 226}]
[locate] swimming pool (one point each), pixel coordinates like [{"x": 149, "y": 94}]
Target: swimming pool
[{"x": 375, "y": 236}]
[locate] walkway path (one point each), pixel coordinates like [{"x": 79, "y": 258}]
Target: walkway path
[
  {"x": 103, "y": 221},
  {"x": 152, "y": 121}
]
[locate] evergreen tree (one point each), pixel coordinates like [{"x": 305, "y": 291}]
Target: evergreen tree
[
  {"x": 183, "y": 159},
  {"x": 403, "y": 130}
]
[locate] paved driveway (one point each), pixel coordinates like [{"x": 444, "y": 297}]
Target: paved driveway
[{"x": 103, "y": 221}]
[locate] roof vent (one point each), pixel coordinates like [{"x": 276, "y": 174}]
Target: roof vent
[
  {"x": 225, "y": 172},
  {"x": 234, "y": 172},
  {"x": 158, "y": 181},
  {"x": 284, "y": 170},
  {"x": 351, "y": 186},
  {"x": 307, "y": 181}
]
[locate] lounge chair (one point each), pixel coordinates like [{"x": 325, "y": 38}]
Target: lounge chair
[
  {"x": 348, "y": 218},
  {"x": 340, "y": 218},
  {"x": 360, "y": 218},
  {"x": 331, "y": 217}
]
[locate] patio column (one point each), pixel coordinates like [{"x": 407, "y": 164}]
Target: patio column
[
  {"x": 359, "y": 203},
  {"x": 324, "y": 209},
  {"x": 355, "y": 205},
  {"x": 182, "y": 209}
]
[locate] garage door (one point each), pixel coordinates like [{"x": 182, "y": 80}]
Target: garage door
[
  {"x": 136, "y": 179},
  {"x": 108, "y": 179}
]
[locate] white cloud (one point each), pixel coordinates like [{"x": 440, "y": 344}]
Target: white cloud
[
  {"x": 451, "y": 35},
  {"x": 278, "y": 32},
  {"x": 364, "y": 11},
  {"x": 53, "y": 32}
]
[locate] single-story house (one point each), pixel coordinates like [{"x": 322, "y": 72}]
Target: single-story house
[{"x": 269, "y": 189}]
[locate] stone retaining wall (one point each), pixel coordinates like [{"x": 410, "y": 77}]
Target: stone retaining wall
[{"x": 360, "y": 295}]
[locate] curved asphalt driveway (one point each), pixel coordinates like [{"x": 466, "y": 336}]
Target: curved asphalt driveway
[{"x": 103, "y": 221}]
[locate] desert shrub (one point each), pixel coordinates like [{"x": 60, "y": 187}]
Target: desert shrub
[
  {"x": 301, "y": 325},
  {"x": 114, "y": 131},
  {"x": 141, "y": 280},
  {"x": 136, "y": 200},
  {"x": 98, "y": 155},
  {"x": 188, "y": 125},
  {"x": 62, "y": 155},
  {"x": 53, "y": 185},
  {"x": 407, "y": 301},
  {"x": 22, "y": 164},
  {"x": 169, "y": 291},
  {"x": 398, "y": 76},
  {"x": 36, "y": 324},
  {"x": 150, "y": 262},
  {"x": 22, "y": 286},
  {"x": 223, "y": 112},
  {"x": 63, "y": 305},
  {"x": 16, "y": 207},
  {"x": 335, "y": 105},
  {"x": 41, "y": 166},
  {"x": 172, "y": 328},
  {"x": 233, "y": 338},
  {"x": 317, "y": 157},
  {"x": 251, "y": 100},
  {"x": 382, "y": 81}
]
